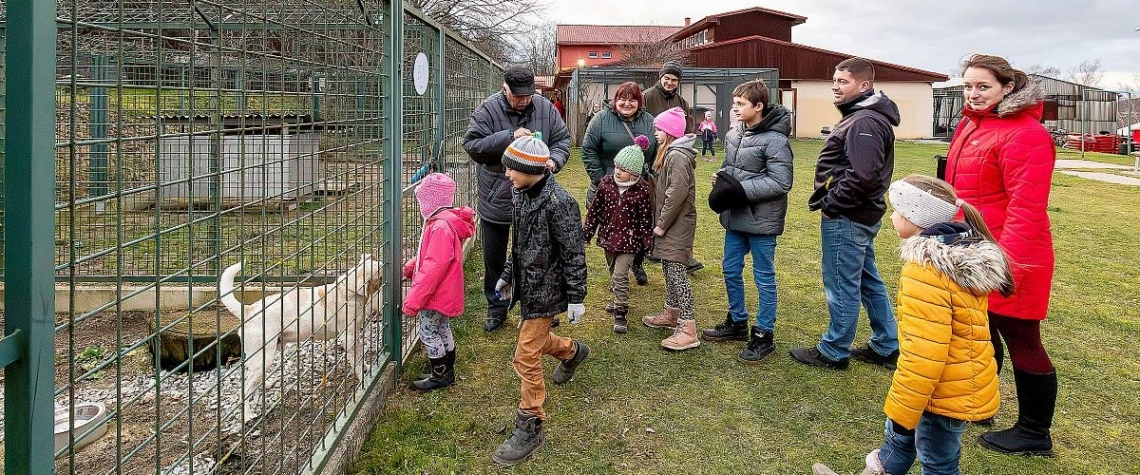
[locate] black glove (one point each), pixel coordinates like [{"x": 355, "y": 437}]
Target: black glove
[
  {"x": 727, "y": 193},
  {"x": 815, "y": 201}
]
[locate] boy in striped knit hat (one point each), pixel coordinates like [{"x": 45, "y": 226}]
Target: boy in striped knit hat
[{"x": 546, "y": 275}]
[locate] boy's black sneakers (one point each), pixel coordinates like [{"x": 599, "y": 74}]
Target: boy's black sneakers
[
  {"x": 728, "y": 330},
  {"x": 759, "y": 347}
]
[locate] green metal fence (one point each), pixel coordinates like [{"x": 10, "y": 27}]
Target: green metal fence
[{"x": 189, "y": 136}]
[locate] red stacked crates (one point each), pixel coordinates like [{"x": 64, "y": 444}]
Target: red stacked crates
[{"x": 1109, "y": 143}]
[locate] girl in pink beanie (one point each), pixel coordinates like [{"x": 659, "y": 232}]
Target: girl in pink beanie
[
  {"x": 436, "y": 271},
  {"x": 675, "y": 220}
]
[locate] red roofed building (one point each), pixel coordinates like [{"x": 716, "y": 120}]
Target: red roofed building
[
  {"x": 762, "y": 38},
  {"x": 596, "y": 45}
]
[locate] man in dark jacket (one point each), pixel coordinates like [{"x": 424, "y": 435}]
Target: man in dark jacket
[
  {"x": 665, "y": 95},
  {"x": 851, "y": 180},
  {"x": 513, "y": 112}
]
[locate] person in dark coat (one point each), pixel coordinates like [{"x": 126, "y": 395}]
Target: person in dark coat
[
  {"x": 666, "y": 94},
  {"x": 851, "y": 180},
  {"x": 545, "y": 276},
  {"x": 515, "y": 111}
]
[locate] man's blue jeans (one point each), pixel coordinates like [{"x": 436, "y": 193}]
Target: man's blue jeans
[
  {"x": 936, "y": 443},
  {"x": 763, "y": 250},
  {"x": 850, "y": 277}
]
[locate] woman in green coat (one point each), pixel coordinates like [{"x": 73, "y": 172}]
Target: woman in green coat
[
  {"x": 615, "y": 127},
  {"x": 622, "y": 123}
]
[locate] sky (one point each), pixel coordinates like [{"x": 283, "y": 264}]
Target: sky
[{"x": 924, "y": 34}]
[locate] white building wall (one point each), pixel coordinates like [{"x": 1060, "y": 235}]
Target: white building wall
[{"x": 815, "y": 108}]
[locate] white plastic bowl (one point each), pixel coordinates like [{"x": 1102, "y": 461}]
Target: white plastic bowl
[{"x": 87, "y": 415}]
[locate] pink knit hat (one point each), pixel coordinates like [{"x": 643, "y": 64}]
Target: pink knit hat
[
  {"x": 672, "y": 122},
  {"x": 436, "y": 191}
]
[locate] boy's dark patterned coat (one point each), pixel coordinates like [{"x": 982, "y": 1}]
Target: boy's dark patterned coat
[
  {"x": 547, "y": 265},
  {"x": 623, "y": 221}
]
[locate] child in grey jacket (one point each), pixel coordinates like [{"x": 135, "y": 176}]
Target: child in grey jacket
[{"x": 750, "y": 192}]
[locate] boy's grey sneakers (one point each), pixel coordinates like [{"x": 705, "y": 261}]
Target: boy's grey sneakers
[
  {"x": 621, "y": 324},
  {"x": 565, "y": 370},
  {"x": 526, "y": 438},
  {"x": 694, "y": 267},
  {"x": 867, "y": 355},
  {"x": 812, "y": 357}
]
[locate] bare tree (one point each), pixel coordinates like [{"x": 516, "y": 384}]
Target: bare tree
[
  {"x": 489, "y": 24},
  {"x": 651, "y": 52},
  {"x": 536, "y": 49},
  {"x": 1133, "y": 85},
  {"x": 1043, "y": 70},
  {"x": 1087, "y": 72}
]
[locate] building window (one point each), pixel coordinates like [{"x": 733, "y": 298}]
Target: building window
[
  {"x": 593, "y": 55},
  {"x": 606, "y": 55}
]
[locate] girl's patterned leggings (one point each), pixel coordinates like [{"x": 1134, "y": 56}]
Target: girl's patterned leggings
[
  {"x": 435, "y": 333},
  {"x": 678, "y": 292}
]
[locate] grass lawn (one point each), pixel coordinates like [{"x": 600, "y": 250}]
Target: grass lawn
[{"x": 635, "y": 408}]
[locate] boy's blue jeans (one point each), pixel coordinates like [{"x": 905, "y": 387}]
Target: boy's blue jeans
[
  {"x": 763, "y": 250},
  {"x": 936, "y": 443},
  {"x": 850, "y": 277}
]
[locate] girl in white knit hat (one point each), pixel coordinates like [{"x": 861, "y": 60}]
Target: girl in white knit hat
[{"x": 946, "y": 374}]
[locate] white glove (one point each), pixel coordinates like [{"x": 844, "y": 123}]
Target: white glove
[
  {"x": 575, "y": 312},
  {"x": 503, "y": 290}
]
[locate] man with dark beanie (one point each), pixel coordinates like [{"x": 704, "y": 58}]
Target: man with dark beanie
[
  {"x": 513, "y": 112},
  {"x": 666, "y": 95},
  {"x": 661, "y": 97}
]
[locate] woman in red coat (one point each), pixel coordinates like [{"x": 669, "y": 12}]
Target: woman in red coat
[{"x": 1001, "y": 161}]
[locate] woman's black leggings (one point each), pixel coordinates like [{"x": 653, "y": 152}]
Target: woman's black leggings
[{"x": 1023, "y": 340}]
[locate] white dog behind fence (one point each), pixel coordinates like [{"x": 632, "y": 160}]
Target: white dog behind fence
[{"x": 337, "y": 309}]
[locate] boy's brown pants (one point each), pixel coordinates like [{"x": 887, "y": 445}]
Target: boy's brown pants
[{"x": 536, "y": 340}]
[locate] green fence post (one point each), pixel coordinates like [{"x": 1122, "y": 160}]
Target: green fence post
[
  {"x": 393, "y": 105},
  {"x": 440, "y": 103},
  {"x": 29, "y": 203},
  {"x": 97, "y": 173}
]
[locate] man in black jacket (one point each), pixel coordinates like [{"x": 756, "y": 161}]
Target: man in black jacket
[
  {"x": 513, "y": 112},
  {"x": 851, "y": 180}
]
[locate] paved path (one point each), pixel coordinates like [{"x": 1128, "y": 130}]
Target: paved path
[
  {"x": 1107, "y": 177},
  {"x": 1086, "y": 164},
  {"x": 1067, "y": 167}
]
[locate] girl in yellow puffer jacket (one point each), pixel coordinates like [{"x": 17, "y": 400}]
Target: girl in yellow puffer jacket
[{"x": 946, "y": 373}]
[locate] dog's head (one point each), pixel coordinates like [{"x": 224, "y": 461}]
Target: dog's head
[{"x": 366, "y": 277}]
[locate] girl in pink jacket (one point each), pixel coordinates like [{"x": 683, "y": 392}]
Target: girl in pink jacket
[
  {"x": 436, "y": 293},
  {"x": 708, "y": 134}
]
